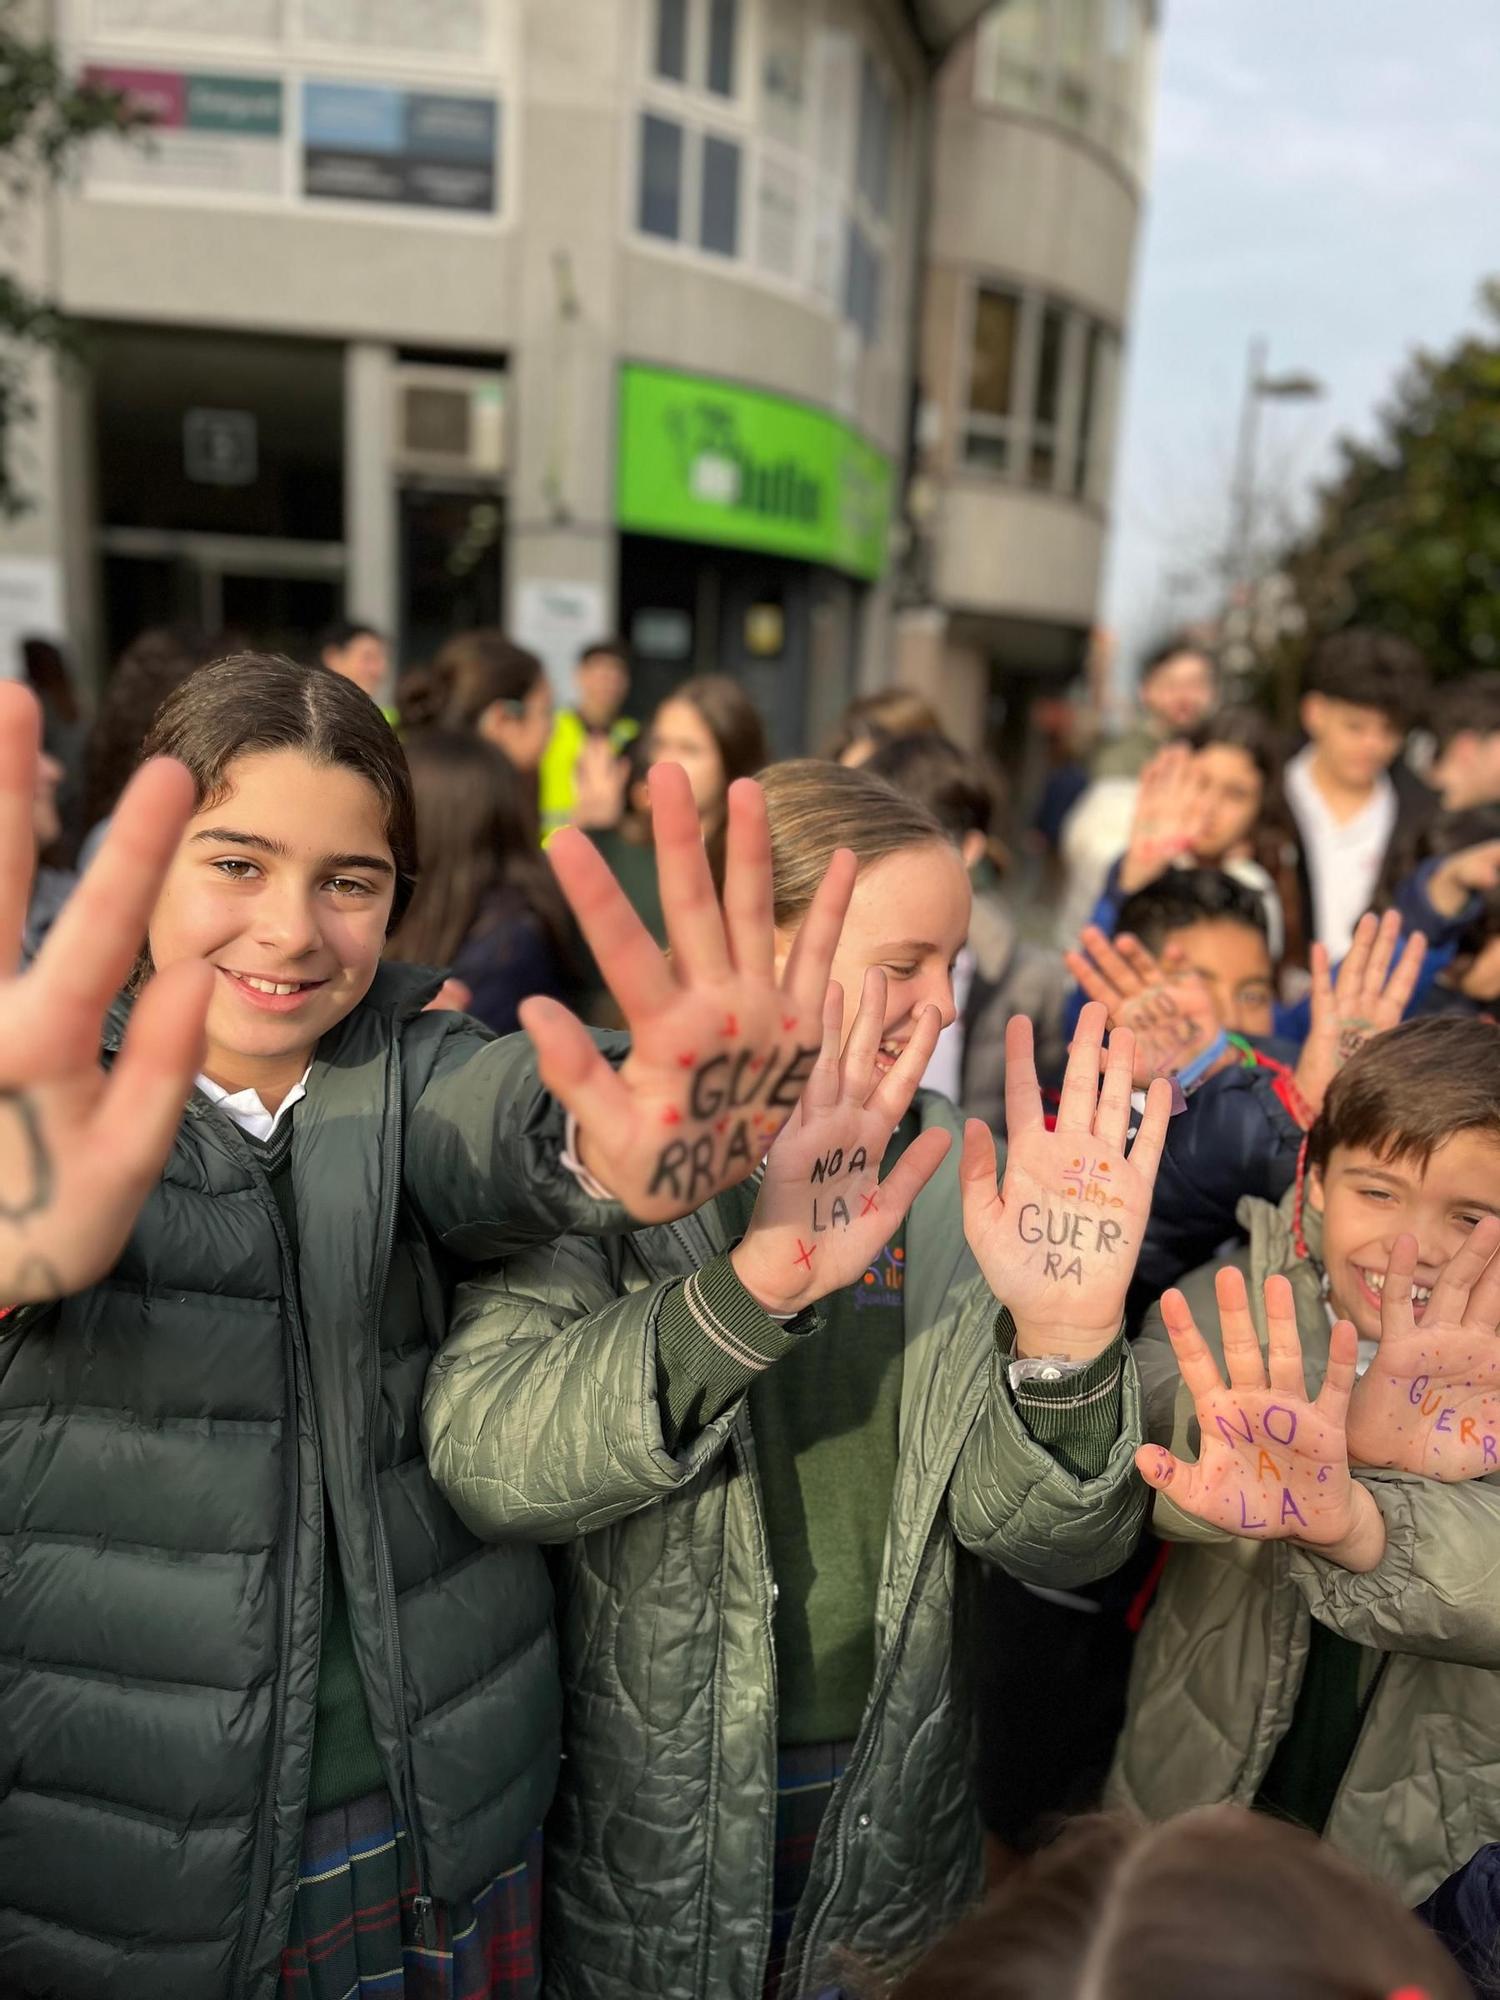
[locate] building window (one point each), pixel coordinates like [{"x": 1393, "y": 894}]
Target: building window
[
  {"x": 721, "y": 29},
  {"x": 1045, "y": 402},
  {"x": 992, "y": 378},
  {"x": 719, "y": 217},
  {"x": 876, "y": 123},
  {"x": 862, "y": 284},
  {"x": 671, "y": 40},
  {"x": 1086, "y": 63},
  {"x": 1041, "y": 393},
  {"x": 661, "y": 177}
]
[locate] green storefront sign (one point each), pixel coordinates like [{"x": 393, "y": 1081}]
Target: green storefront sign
[{"x": 702, "y": 461}]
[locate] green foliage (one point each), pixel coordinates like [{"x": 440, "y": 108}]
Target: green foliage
[
  {"x": 1408, "y": 532},
  {"x": 46, "y": 117}
]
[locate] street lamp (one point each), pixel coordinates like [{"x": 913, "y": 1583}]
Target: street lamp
[{"x": 1295, "y": 386}]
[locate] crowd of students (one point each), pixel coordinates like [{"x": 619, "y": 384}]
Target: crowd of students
[{"x": 683, "y": 1502}]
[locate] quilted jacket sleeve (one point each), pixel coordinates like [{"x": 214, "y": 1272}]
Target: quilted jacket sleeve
[
  {"x": 1436, "y": 1591},
  {"x": 483, "y": 1153},
  {"x": 1012, "y": 1502},
  {"x": 562, "y": 1400}
]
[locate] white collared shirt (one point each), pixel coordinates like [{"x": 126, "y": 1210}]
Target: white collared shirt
[
  {"x": 1343, "y": 856},
  {"x": 246, "y": 1109}
]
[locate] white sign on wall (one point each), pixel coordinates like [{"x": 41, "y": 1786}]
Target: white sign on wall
[
  {"x": 30, "y": 606},
  {"x": 556, "y": 621}
]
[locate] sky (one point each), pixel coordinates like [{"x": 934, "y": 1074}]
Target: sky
[{"x": 1326, "y": 175}]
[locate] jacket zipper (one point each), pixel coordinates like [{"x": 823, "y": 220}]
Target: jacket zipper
[
  {"x": 260, "y": 1869},
  {"x": 385, "y": 1579}
]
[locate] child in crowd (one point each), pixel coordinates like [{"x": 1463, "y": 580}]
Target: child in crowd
[
  {"x": 766, "y": 1444},
  {"x": 274, "y": 1720},
  {"x": 1455, "y": 900},
  {"x": 486, "y": 905},
  {"x": 1465, "y": 723},
  {"x": 1363, "y": 692},
  {"x": 1326, "y": 1640},
  {"x": 998, "y": 973},
  {"x": 1212, "y": 801},
  {"x": 1219, "y": 1903},
  {"x": 481, "y": 680}
]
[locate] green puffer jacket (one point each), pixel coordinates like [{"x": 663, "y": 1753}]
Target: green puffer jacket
[
  {"x": 542, "y": 1421},
  {"x": 165, "y": 1439},
  {"x": 1222, "y": 1654}
]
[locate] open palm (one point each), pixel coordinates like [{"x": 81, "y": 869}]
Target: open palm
[
  {"x": 1166, "y": 1006},
  {"x": 720, "y": 1048},
  {"x": 1272, "y": 1464},
  {"x": 1371, "y": 993},
  {"x": 823, "y": 1214},
  {"x": 1429, "y": 1402},
  {"x": 80, "y": 1148},
  {"x": 1058, "y": 1241}
]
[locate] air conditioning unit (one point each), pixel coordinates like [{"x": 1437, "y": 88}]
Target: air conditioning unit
[{"x": 450, "y": 422}]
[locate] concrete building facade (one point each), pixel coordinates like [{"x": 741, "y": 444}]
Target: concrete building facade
[{"x": 576, "y": 315}]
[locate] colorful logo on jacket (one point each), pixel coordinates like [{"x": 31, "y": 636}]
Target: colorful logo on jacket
[{"x": 882, "y": 1284}]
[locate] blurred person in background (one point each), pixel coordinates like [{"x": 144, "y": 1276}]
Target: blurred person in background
[
  {"x": 593, "y": 725},
  {"x": 873, "y": 719},
  {"x": 482, "y": 681},
  {"x": 998, "y": 973},
  {"x": 358, "y": 653},
  {"x": 50, "y": 887},
  {"x": 64, "y": 728},
  {"x": 1457, "y": 898},
  {"x": 709, "y": 726},
  {"x": 154, "y": 664},
  {"x": 1213, "y": 800},
  {"x": 1178, "y": 685},
  {"x": 1363, "y": 690},
  {"x": 1465, "y": 722},
  {"x": 486, "y": 906}
]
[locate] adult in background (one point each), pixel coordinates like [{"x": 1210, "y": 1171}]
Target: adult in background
[
  {"x": 1363, "y": 691},
  {"x": 593, "y": 726},
  {"x": 486, "y": 906},
  {"x": 356, "y": 652},
  {"x": 1178, "y": 686}
]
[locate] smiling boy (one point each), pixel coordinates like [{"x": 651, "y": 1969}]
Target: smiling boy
[{"x": 1354, "y": 1687}]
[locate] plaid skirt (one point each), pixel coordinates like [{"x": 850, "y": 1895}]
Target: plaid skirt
[
  {"x": 806, "y": 1774},
  {"x": 354, "y": 1932}
]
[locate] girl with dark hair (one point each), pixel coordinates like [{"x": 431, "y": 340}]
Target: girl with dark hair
[
  {"x": 274, "y": 1720},
  {"x": 709, "y": 726},
  {"x": 767, "y": 1442},
  {"x": 486, "y": 905},
  {"x": 481, "y": 681}
]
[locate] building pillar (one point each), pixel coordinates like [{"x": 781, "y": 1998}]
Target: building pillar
[{"x": 372, "y": 565}]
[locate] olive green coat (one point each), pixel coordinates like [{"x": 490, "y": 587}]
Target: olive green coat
[{"x": 1222, "y": 1654}]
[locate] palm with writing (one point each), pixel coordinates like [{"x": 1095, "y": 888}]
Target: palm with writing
[
  {"x": 1167, "y": 817},
  {"x": 1165, "y": 1005},
  {"x": 823, "y": 1214},
  {"x": 80, "y": 1148},
  {"x": 1429, "y": 1402},
  {"x": 1369, "y": 996},
  {"x": 1059, "y": 1239},
  {"x": 720, "y": 1047},
  {"x": 1272, "y": 1464}
]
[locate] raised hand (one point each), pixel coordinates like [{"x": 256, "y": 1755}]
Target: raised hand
[
  {"x": 1167, "y": 818},
  {"x": 1429, "y": 1402},
  {"x": 1164, "y": 1004},
  {"x": 1058, "y": 1242},
  {"x": 1472, "y": 870},
  {"x": 1369, "y": 995},
  {"x": 720, "y": 1049},
  {"x": 79, "y": 1149},
  {"x": 1272, "y": 1465},
  {"x": 823, "y": 1213},
  {"x": 600, "y": 778}
]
